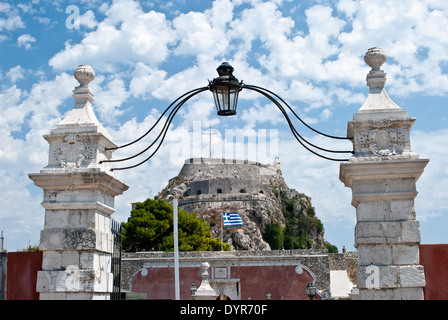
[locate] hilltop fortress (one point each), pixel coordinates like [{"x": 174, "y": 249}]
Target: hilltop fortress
[{"x": 258, "y": 192}]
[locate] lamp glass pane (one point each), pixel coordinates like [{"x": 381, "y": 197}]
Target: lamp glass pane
[{"x": 226, "y": 98}]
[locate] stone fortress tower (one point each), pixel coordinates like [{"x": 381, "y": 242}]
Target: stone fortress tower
[{"x": 258, "y": 192}]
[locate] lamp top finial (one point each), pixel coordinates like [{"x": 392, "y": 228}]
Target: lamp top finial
[{"x": 225, "y": 69}]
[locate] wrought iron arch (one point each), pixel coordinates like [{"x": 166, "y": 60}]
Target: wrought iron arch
[{"x": 273, "y": 97}]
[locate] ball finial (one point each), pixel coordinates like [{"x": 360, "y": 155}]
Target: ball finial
[
  {"x": 375, "y": 57},
  {"x": 84, "y": 74}
]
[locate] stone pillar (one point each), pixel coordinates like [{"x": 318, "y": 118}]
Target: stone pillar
[
  {"x": 382, "y": 175},
  {"x": 79, "y": 200},
  {"x": 205, "y": 291}
]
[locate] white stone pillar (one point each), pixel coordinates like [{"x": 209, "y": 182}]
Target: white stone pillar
[
  {"x": 78, "y": 199},
  {"x": 382, "y": 175},
  {"x": 205, "y": 291}
]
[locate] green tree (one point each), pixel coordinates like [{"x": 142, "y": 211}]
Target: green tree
[
  {"x": 150, "y": 227},
  {"x": 331, "y": 248},
  {"x": 274, "y": 235}
]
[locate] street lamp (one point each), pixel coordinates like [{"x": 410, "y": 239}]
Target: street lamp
[
  {"x": 226, "y": 89},
  {"x": 193, "y": 290},
  {"x": 311, "y": 290}
]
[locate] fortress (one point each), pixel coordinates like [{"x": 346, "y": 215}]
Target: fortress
[
  {"x": 256, "y": 191},
  {"x": 223, "y": 176}
]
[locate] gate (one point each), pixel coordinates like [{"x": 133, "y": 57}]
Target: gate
[{"x": 116, "y": 260}]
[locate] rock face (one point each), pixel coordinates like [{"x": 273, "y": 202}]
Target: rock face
[{"x": 257, "y": 192}]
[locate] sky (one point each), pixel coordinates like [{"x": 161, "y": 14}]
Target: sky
[{"x": 145, "y": 54}]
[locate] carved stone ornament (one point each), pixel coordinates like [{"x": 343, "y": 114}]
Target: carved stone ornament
[
  {"x": 71, "y": 152},
  {"x": 84, "y": 74},
  {"x": 375, "y": 57},
  {"x": 382, "y": 142}
]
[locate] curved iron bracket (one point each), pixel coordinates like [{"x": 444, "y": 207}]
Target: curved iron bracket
[
  {"x": 275, "y": 99},
  {"x": 180, "y": 101}
]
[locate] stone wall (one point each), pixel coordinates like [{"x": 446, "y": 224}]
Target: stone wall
[{"x": 226, "y": 186}]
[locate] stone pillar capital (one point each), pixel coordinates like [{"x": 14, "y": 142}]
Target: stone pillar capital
[{"x": 351, "y": 172}]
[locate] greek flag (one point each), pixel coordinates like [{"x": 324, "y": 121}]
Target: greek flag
[{"x": 232, "y": 219}]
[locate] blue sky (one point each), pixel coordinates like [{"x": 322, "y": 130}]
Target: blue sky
[{"x": 147, "y": 53}]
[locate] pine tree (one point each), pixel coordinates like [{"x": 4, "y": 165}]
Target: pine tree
[{"x": 150, "y": 227}]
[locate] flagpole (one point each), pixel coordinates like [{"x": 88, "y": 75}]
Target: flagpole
[
  {"x": 176, "y": 252},
  {"x": 222, "y": 237}
]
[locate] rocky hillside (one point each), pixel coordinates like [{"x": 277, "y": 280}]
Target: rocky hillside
[{"x": 274, "y": 216}]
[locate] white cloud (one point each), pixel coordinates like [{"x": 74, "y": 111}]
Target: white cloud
[
  {"x": 204, "y": 33},
  {"x": 9, "y": 18},
  {"x": 145, "y": 80},
  {"x": 25, "y": 40},
  {"x": 44, "y": 20},
  {"x": 325, "y": 115},
  {"x": 11, "y": 116},
  {"x": 432, "y": 199},
  {"x": 15, "y": 73},
  {"x": 321, "y": 21},
  {"x": 109, "y": 98},
  {"x": 260, "y": 114},
  {"x": 307, "y": 92},
  {"x": 126, "y": 36},
  {"x": 403, "y": 30},
  {"x": 88, "y": 20},
  {"x": 331, "y": 51},
  {"x": 348, "y": 7},
  {"x": 348, "y": 97}
]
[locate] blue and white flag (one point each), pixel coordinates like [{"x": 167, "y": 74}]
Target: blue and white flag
[{"x": 232, "y": 219}]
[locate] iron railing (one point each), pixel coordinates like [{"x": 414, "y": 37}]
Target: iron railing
[{"x": 116, "y": 260}]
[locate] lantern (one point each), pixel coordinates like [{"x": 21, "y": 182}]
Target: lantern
[
  {"x": 311, "y": 290},
  {"x": 193, "y": 290},
  {"x": 225, "y": 90}
]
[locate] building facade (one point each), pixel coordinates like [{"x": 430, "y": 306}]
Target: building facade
[{"x": 238, "y": 275}]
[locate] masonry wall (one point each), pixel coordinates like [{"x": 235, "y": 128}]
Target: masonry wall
[
  {"x": 22, "y": 268},
  {"x": 434, "y": 259},
  {"x": 226, "y": 186},
  {"x": 243, "y": 280},
  {"x": 239, "y": 275},
  {"x": 246, "y": 282}
]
